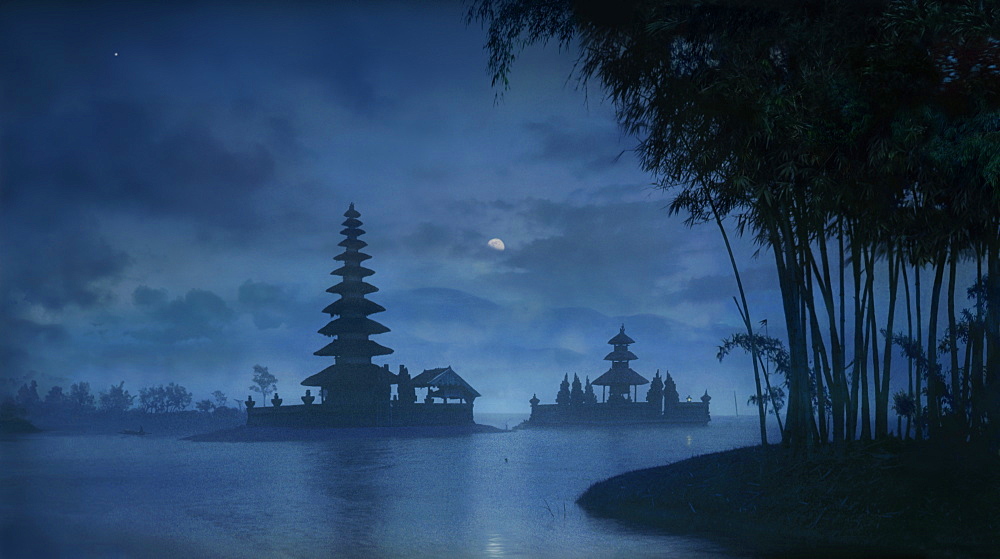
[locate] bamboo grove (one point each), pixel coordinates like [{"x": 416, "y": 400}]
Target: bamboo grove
[{"x": 859, "y": 144}]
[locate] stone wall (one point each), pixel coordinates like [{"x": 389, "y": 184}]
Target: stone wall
[
  {"x": 394, "y": 415},
  {"x": 628, "y": 412}
]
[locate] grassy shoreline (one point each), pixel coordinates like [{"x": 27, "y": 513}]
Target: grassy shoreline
[{"x": 888, "y": 499}]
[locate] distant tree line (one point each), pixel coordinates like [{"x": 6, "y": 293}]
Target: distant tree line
[
  {"x": 170, "y": 398},
  {"x": 79, "y": 399}
]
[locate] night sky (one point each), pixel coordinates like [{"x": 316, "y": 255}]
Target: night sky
[{"x": 174, "y": 178}]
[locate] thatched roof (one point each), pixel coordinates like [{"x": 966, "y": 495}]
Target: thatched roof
[
  {"x": 448, "y": 383},
  {"x": 621, "y": 338},
  {"x": 354, "y": 374},
  {"x": 352, "y": 288},
  {"x": 353, "y": 243},
  {"x": 620, "y": 375},
  {"x": 352, "y": 325},
  {"x": 354, "y": 305},
  {"x": 354, "y": 348},
  {"x": 346, "y": 270},
  {"x": 620, "y": 355},
  {"x": 352, "y": 256}
]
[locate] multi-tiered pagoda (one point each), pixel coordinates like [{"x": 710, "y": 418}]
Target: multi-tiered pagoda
[
  {"x": 353, "y": 382},
  {"x": 620, "y": 378},
  {"x": 662, "y": 404},
  {"x": 354, "y": 391}
]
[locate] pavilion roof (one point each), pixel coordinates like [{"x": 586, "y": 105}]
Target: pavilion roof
[
  {"x": 352, "y": 222},
  {"x": 447, "y": 381},
  {"x": 351, "y": 212},
  {"x": 620, "y": 375}
]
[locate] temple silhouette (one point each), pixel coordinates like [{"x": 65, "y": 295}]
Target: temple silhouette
[
  {"x": 577, "y": 404},
  {"x": 353, "y": 391}
]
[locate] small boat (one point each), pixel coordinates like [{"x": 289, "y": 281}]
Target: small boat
[{"x": 140, "y": 432}]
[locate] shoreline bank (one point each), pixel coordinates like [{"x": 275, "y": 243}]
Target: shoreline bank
[{"x": 887, "y": 499}]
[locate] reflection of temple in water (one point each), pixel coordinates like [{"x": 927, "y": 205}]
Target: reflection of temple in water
[
  {"x": 577, "y": 404},
  {"x": 354, "y": 391}
]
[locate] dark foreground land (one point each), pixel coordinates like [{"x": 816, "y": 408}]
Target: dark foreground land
[{"x": 888, "y": 499}]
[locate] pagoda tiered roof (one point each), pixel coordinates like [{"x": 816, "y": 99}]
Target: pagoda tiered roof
[
  {"x": 347, "y": 374},
  {"x": 621, "y": 338},
  {"x": 350, "y": 331},
  {"x": 352, "y": 256},
  {"x": 350, "y": 325},
  {"x": 353, "y": 348},
  {"x": 352, "y": 243},
  {"x": 352, "y": 269},
  {"x": 623, "y": 375},
  {"x": 354, "y": 305},
  {"x": 352, "y": 288},
  {"x": 620, "y": 355}
]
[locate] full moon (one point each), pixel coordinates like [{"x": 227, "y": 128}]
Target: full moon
[{"x": 496, "y": 244}]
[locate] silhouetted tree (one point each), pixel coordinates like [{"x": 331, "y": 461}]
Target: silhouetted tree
[
  {"x": 27, "y": 395},
  {"x": 655, "y": 393},
  {"x": 204, "y": 406},
  {"x": 670, "y": 396},
  {"x": 563, "y": 397},
  {"x": 576, "y": 392},
  {"x": 176, "y": 397},
  {"x": 588, "y": 393},
  {"x": 220, "y": 399},
  {"x": 116, "y": 399},
  {"x": 164, "y": 399},
  {"x": 904, "y": 406},
  {"x": 80, "y": 398},
  {"x": 55, "y": 397},
  {"x": 263, "y": 381}
]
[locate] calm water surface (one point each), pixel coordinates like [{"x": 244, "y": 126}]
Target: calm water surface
[{"x": 486, "y": 495}]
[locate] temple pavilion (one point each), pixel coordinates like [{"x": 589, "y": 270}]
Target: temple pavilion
[
  {"x": 620, "y": 397},
  {"x": 353, "y": 390}
]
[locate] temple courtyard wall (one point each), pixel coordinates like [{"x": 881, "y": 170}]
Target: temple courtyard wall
[
  {"x": 391, "y": 414},
  {"x": 626, "y": 412}
]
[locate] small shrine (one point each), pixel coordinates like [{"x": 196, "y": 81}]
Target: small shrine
[
  {"x": 619, "y": 404},
  {"x": 354, "y": 391}
]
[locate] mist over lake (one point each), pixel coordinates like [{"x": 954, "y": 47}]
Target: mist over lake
[{"x": 484, "y": 495}]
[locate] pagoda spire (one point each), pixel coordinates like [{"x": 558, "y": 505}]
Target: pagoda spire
[{"x": 350, "y": 326}]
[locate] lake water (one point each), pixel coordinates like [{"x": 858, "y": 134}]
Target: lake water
[{"x": 486, "y": 495}]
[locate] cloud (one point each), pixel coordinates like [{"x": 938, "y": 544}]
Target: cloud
[
  {"x": 69, "y": 263},
  {"x": 588, "y": 146},
  {"x": 270, "y": 305},
  {"x": 200, "y": 314}
]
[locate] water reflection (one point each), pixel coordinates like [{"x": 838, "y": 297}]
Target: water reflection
[
  {"x": 499, "y": 495},
  {"x": 494, "y": 546}
]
